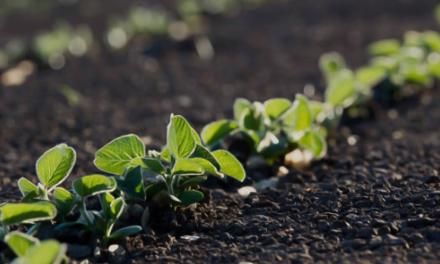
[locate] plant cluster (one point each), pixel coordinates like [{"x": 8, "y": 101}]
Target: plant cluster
[{"x": 166, "y": 179}]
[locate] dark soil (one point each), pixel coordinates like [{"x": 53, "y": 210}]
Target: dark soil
[{"x": 374, "y": 201}]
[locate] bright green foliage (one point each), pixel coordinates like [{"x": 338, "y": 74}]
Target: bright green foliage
[
  {"x": 46, "y": 252},
  {"x": 20, "y": 243},
  {"x": 331, "y": 63},
  {"x": 64, "y": 200},
  {"x": 55, "y": 165},
  {"x": 119, "y": 154},
  {"x": 271, "y": 129},
  {"x": 18, "y": 213},
  {"x": 93, "y": 184},
  {"x": 385, "y": 47},
  {"x": 172, "y": 176}
]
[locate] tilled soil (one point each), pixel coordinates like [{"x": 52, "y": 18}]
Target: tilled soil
[{"x": 376, "y": 199}]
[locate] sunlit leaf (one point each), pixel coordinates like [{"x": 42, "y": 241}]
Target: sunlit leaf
[
  {"x": 93, "y": 184},
  {"x": 216, "y": 131},
  {"x": 180, "y": 139},
  {"x": 117, "y": 155},
  {"x": 229, "y": 165},
  {"x": 55, "y": 165},
  {"x": 17, "y": 213}
]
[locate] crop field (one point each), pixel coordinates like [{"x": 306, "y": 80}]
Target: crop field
[{"x": 219, "y": 131}]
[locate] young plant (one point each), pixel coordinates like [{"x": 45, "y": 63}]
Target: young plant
[
  {"x": 272, "y": 128},
  {"x": 171, "y": 177},
  {"x": 53, "y": 168},
  {"x": 101, "y": 222}
]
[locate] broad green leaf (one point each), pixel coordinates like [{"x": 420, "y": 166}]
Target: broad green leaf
[
  {"x": 313, "y": 141},
  {"x": 204, "y": 153},
  {"x": 47, "y": 252},
  {"x": 229, "y": 165},
  {"x": 17, "y": 213},
  {"x": 117, "y": 155},
  {"x": 384, "y": 47},
  {"x": 252, "y": 137},
  {"x": 216, "y": 131},
  {"x": 370, "y": 75},
  {"x": 55, "y": 165},
  {"x": 93, "y": 184},
  {"x": 274, "y": 108},
  {"x": 187, "y": 167},
  {"x": 20, "y": 242},
  {"x": 125, "y": 232},
  {"x": 416, "y": 75},
  {"x": 298, "y": 117},
  {"x": 341, "y": 90},
  {"x": 26, "y": 187},
  {"x": 64, "y": 200},
  {"x": 240, "y": 106},
  {"x": 180, "y": 138},
  {"x": 106, "y": 199},
  {"x": 331, "y": 63},
  {"x": 117, "y": 207},
  {"x": 190, "y": 197},
  {"x": 132, "y": 184},
  {"x": 196, "y": 136}
]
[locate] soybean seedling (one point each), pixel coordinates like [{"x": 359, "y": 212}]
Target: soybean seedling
[
  {"x": 272, "y": 128},
  {"x": 171, "y": 177}
]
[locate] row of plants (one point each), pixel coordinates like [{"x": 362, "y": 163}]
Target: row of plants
[
  {"x": 53, "y": 47},
  {"x": 275, "y": 130}
]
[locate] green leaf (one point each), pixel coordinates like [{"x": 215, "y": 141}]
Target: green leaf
[
  {"x": 26, "y": 187},
  {"x": 64, "y": 200},
  {"x": 240, "y": 106},
  {"x": 93, "y": 184},
  {"x": 106, "y": 199},
  {"x": 204, "y": 153},
  {"x": 331, "y": 63},
  {"x": 370, "y": 75},
  {"x": 299, "y": 117},
  {"x": 117, "y": 155},
  {"x": 47, "y": 252},
  {"x": 20, "y": 242},
  {"x": 55, "y": 165},
  {"x": 313, "y": 141},
  {"x": 196, "y": 136},
  {"x": 125, "y": 232},
  {"x": 386, "y": 47},
  {"x": 132, "y": 184},
  {"x": 17, "y": 213},
  {"x": 186, "y": 167},
  {"x": 207, "y": 166},
  {"x": 274, "y": 108},
  {"x": 229, "y": 165},
  {"x": 316, "y": 108},
  {"x": 434, "y": 64},
  {"x": 341, "y": 90},
  {"x": 216, "y": 131},
  {"x": 271, "y": 146},
  {"x": 190, "y": 197},
  {"x": 180, "y": 139},
  {"x": 153, "y": 165}
]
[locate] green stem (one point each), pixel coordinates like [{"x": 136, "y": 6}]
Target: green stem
[{"x": 83, "y": 211}]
